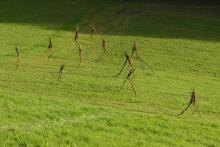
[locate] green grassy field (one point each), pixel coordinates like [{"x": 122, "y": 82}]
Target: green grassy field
[{"x": 180, "y": 42}]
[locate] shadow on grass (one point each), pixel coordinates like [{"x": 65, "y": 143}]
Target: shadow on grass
[{"x": 197, "y": 20}]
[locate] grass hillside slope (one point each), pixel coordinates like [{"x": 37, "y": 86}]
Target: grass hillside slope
[{"x": 180, "y": 41}]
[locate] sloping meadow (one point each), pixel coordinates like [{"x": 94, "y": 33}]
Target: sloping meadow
[{"x": 180, "y": 49}]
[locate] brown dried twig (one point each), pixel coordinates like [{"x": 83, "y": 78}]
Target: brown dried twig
[
  {"x": 191, "y": 102},
  {"x": 127, "y": 61},
  {"x": 129, "y": 77}
]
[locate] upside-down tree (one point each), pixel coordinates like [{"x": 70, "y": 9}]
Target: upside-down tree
[
  {"x": 191, "y": 102},
  {"x": 80, "y": 54},
  {"x": 127, "y": 61},
  {"x": 93, "y": 29},
  {"x": 60, "y": 74},
  {"x": 76, "y": 37},
  {"x": 19, "y": 63},
  {"x": 50, "y": 48},
  {"x": 129, "y": 77},
  {"x": 135, "y": 52}
]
